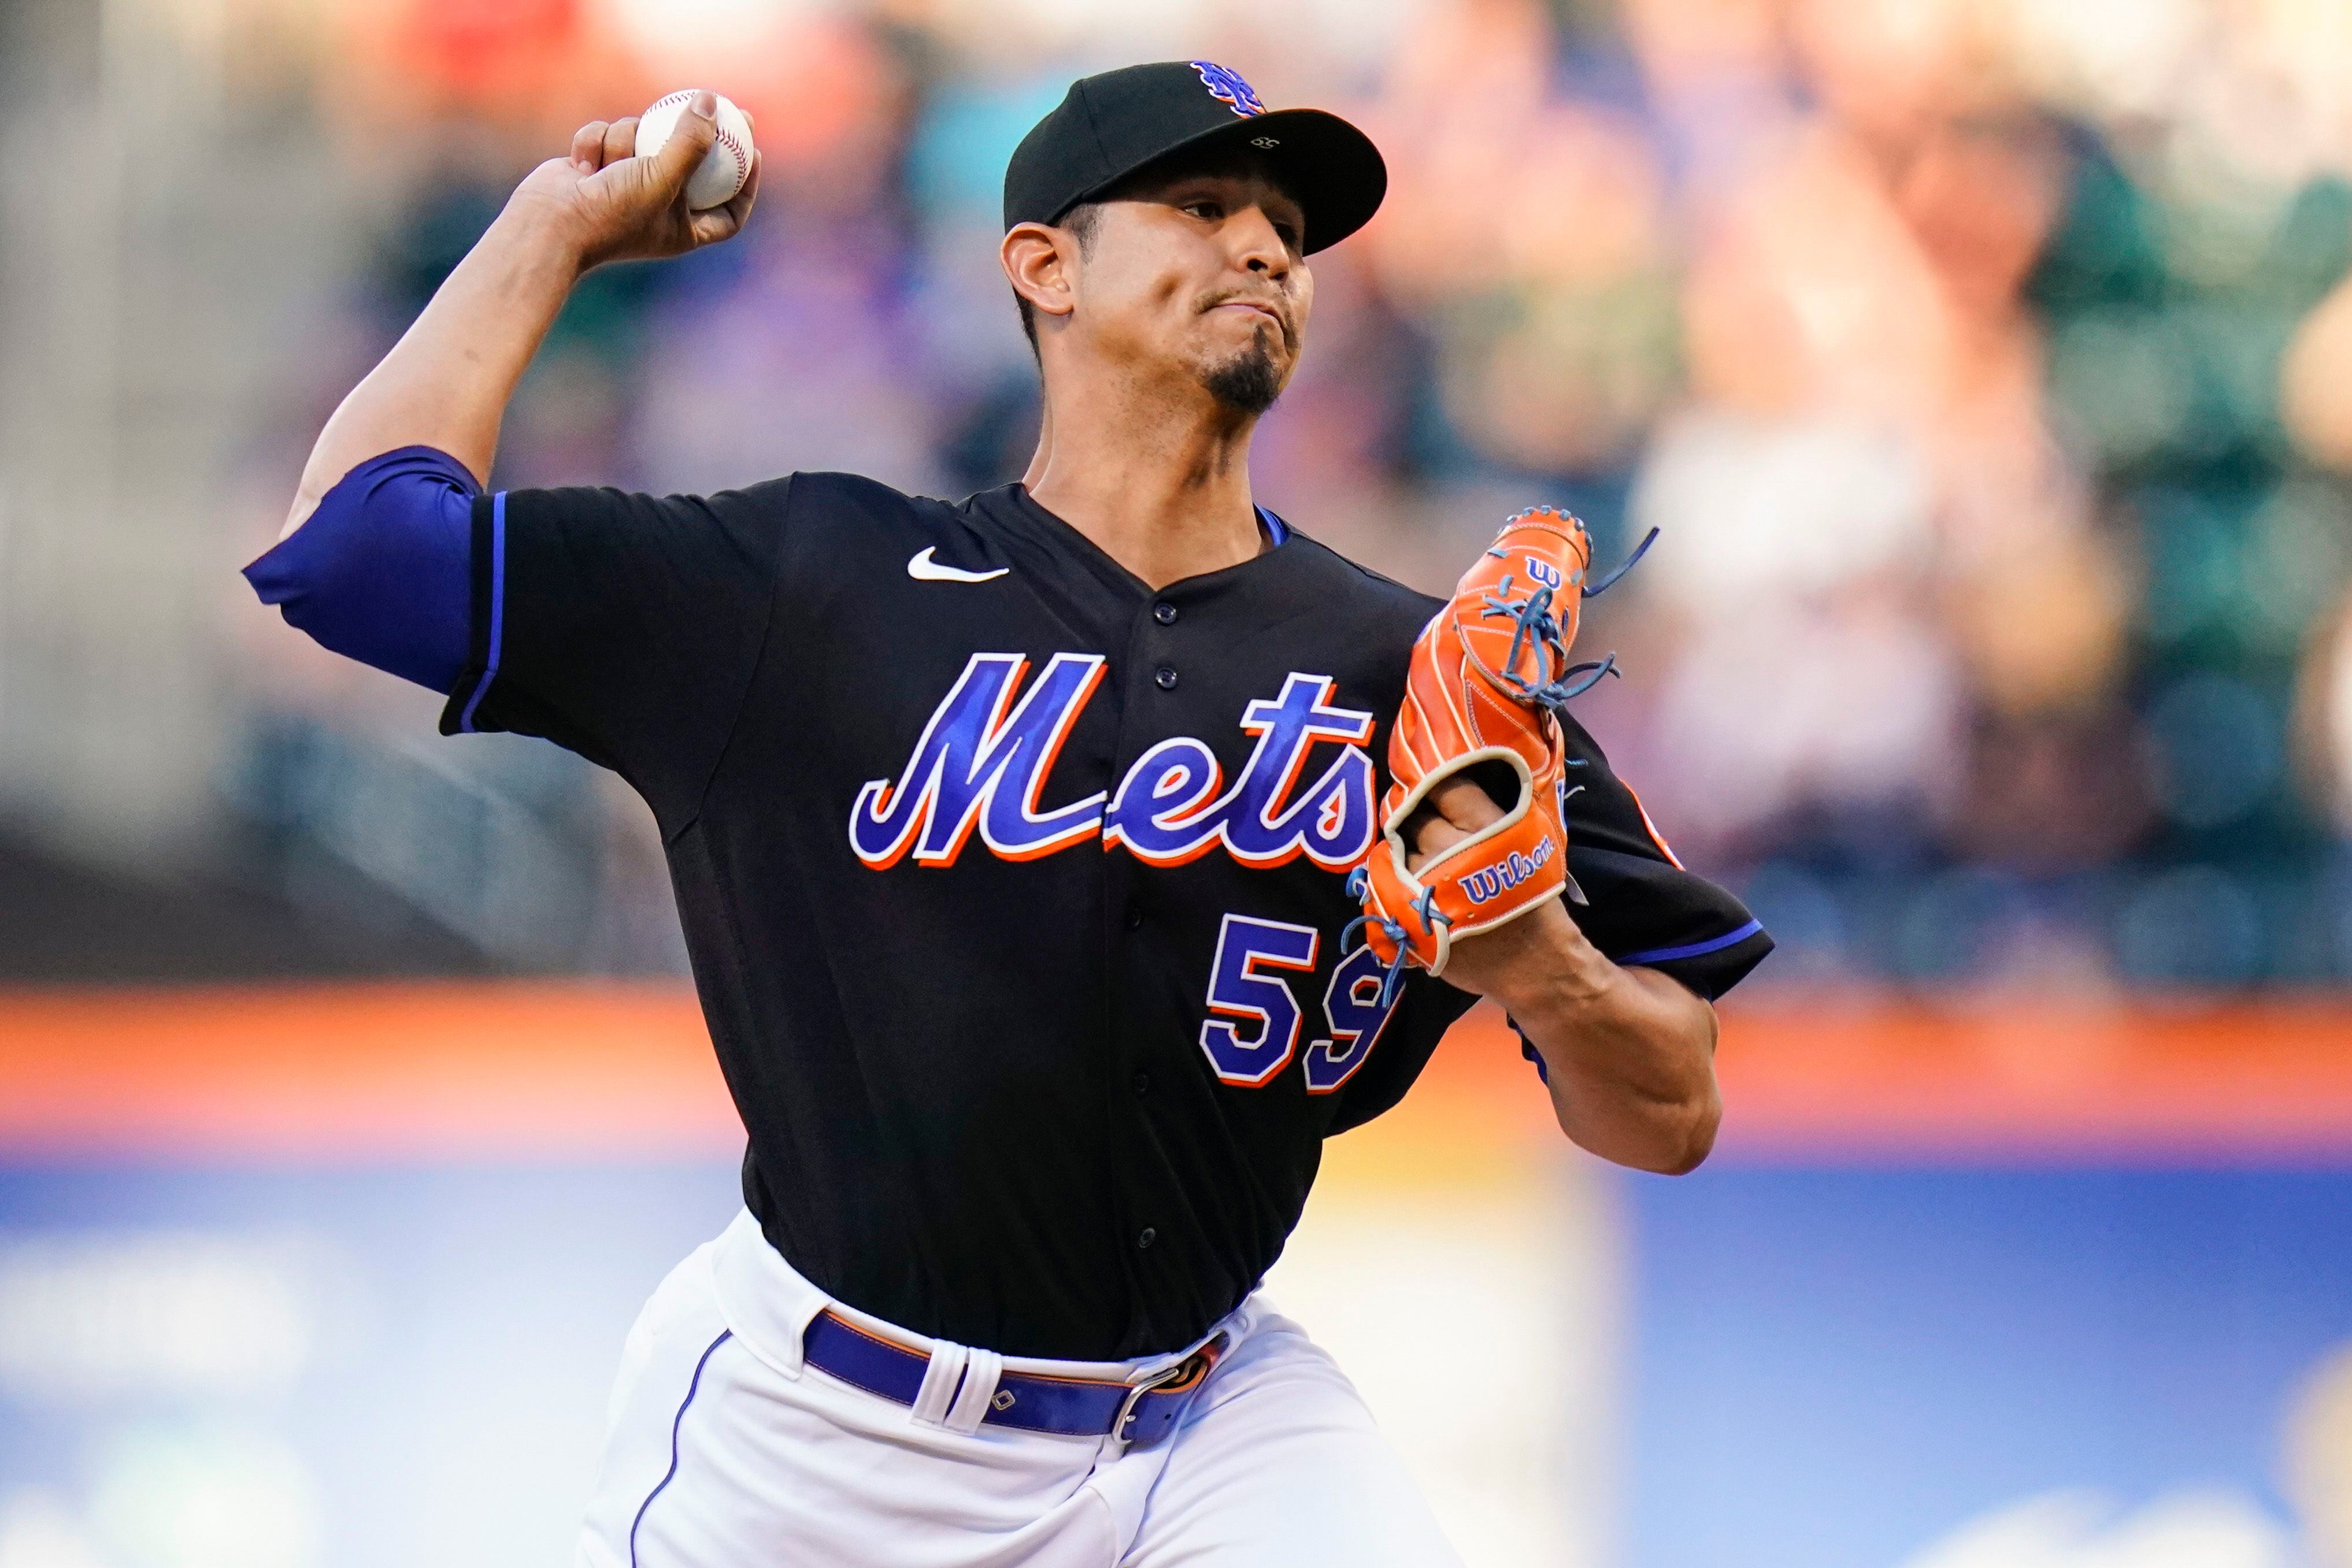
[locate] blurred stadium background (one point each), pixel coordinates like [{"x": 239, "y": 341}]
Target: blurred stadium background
[{"x": 1987, "y": 363}]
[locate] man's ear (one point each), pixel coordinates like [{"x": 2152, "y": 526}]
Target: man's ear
[{"x": 1039, "y": 262}]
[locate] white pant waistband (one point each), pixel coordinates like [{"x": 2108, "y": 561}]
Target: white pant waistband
[{"x": 769, "y": 1305}]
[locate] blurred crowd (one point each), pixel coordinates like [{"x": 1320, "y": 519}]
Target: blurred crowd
[{"x": 1987, "y": 365}]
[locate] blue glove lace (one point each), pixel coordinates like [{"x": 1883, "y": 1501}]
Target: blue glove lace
[
  {"x": 1536, "y": 628},
  {"x": 1359, "y": 882},
  {"x": 1533, "y": 626}
]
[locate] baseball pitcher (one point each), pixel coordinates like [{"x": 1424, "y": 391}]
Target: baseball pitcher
[{"x": 1060, "y": 866}]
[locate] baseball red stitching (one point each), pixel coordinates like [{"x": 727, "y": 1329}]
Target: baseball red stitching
[{"x": 742, "y": 159}]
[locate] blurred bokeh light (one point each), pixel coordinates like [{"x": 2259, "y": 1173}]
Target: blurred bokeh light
[{"x": 1985, "y": 364}]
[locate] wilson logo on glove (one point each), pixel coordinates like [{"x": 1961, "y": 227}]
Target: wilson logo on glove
[{"x": 1492, "y": 882}]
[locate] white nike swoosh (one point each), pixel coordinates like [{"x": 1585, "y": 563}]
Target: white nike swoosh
[{"x": 923, "y": 568}]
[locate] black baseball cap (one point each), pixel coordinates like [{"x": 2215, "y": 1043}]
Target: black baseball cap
[{"x": 1112, "y": 125}]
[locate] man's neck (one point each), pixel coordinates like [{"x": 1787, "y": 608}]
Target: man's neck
[{"x": 1162, "y": 489}]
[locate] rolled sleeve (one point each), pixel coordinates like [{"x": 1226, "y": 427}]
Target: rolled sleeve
[{"x": 378, "y": 573}]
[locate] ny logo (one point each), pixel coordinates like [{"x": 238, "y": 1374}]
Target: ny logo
[{"x": 1227, "y": 88}]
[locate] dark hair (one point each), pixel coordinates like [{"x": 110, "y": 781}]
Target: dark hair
[{"x": 1084, "y": 222}]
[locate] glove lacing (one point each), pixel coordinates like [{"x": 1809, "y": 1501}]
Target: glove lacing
[
  {"x": 1359, "y": 882},
  {"x": 1533, "y": 626}
]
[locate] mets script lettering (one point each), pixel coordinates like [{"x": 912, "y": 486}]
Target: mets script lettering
[{"x": 981, "y": 763}]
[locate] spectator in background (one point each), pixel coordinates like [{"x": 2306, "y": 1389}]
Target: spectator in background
[{"x": 1983, "y": 365}]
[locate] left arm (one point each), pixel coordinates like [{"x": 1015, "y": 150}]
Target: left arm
[{"x": 1629, "y": 1053}]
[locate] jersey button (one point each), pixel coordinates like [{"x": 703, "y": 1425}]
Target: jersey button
[
  {"x": 1164, "y": 612},
  {"x": 1145, "y": 1238},
  {"x": 1135, "y": 917},
  {"x": 1144, "y": 1083},
  {"x": 1165, "y": 679}
]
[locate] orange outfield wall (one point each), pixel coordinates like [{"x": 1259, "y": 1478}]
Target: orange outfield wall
[{"x": 601, "y": 1071}]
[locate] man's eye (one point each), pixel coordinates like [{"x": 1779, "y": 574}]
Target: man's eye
[{"x": 1204, "y": 209}]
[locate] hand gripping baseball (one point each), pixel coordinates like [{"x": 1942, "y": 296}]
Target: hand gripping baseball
[
  {"x": 616, "y": 206},
  {"x": 1488, "y": 675}
]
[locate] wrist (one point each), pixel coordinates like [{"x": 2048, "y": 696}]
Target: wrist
[
  {"x": 1556, "y": 977},
  {"x": 1536, "y": 967},
  {"x": 541, "y": 238}
]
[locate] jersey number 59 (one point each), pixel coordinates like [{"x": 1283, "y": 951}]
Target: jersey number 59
[{"x": 1252, "y": 1027}]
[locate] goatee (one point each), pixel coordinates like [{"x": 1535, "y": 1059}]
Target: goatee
[{"x": 1249, "y": 381}]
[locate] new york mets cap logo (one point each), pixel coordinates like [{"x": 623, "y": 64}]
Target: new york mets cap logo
[{"x": 1228, "y": 88}]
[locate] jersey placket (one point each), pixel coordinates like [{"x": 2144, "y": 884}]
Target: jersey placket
[{"x": 1157, "y": 1244}]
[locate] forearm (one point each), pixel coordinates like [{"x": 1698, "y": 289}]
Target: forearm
[
  {"x": 1629, "y": 1054},
  {"x": 447, "y": 383}
]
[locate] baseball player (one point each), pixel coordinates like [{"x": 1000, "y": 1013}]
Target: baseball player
[{"x": 1060, "y": 866}]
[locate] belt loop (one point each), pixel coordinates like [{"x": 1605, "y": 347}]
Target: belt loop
[
  {"x": 985, "y": 1369},
  {"x": 793, "y": 1348},
  {"x": 940, "y": 1381}
]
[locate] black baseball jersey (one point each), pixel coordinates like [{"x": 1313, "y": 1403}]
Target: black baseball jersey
[{"x": 1014, "y": 888}]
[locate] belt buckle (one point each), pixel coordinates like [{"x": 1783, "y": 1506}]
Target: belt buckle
[{"x": 1197, "y": 1365}]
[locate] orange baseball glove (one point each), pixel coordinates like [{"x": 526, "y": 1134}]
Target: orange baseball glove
[{"x": 1490, "y": 673}]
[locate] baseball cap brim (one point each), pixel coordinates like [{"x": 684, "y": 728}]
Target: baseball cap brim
[{"x": 1328, "y": 167}]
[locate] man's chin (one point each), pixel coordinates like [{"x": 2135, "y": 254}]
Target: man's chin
[{"x": 1247, "y": 382}]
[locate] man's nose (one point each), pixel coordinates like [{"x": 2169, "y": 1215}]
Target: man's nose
[{"x": 1262, "y": 250}]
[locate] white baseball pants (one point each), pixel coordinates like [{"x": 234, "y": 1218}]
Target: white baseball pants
[{"x": 725, "y": 1451}]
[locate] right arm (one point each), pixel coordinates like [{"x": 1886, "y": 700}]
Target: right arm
[
  {"x": 624, "y": 627},
  {"x": 447, "y": 383}
]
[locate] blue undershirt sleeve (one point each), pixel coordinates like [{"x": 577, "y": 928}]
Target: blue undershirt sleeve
[{"x": 381, "y": 573}]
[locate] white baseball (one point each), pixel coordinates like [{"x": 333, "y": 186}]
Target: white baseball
[{"x": 724, "y": 168}]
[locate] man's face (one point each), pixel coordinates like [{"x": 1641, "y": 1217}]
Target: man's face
[{"x": 1198, "y": 274}]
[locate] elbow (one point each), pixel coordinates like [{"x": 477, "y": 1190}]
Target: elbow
[
  {"x": 1694, "y": 1119},
  {"x": 1684, "y": 1134},
  {"x": 1663, "y": 1136},
  {"x": 1697, "y": 1140}
]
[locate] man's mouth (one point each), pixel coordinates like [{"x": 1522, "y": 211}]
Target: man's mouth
[{"x": 1251, "y": 305}]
